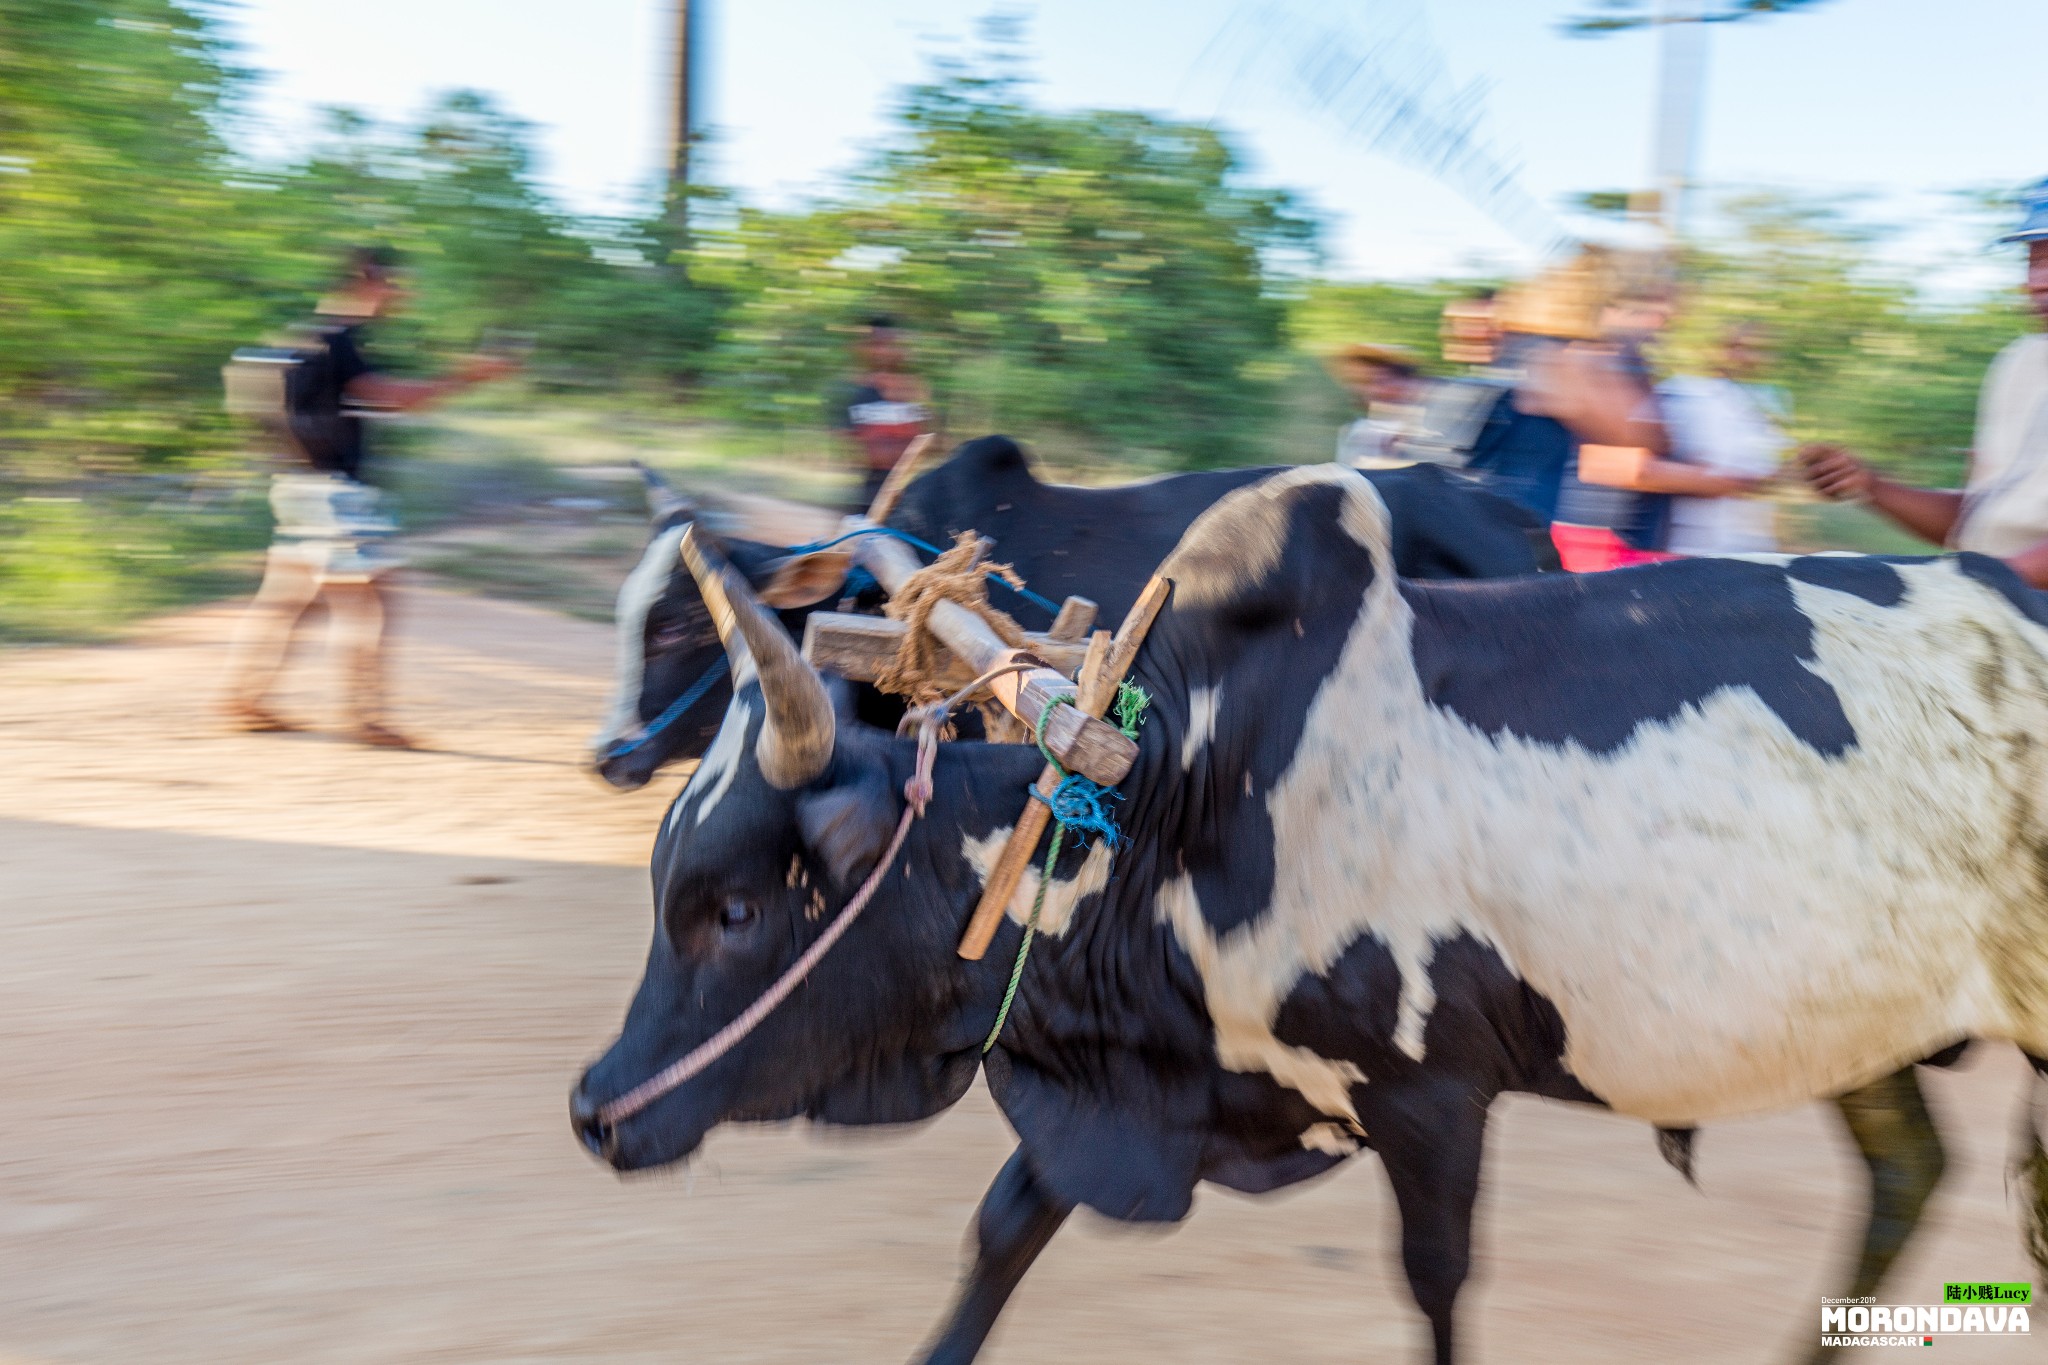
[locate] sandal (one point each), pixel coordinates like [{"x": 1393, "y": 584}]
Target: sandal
[
  {"x": 379, "y": 737},
  {"x": 251, "y": 719}
]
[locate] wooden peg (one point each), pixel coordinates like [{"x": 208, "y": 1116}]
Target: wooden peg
[{"x": 1102, "y": 671}]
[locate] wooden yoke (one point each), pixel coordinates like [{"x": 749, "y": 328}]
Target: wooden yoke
[
  {"x": 1084, "y": 743},
  {"x": 1101, "y": 673}
]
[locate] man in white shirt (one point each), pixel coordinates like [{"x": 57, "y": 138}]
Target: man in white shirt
[
  {"x": 2003, "y": 509},
  {"x": 1720, "y": 425}
]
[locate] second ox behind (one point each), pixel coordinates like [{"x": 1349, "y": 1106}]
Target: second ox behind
[{"x": 1099, "y": 543}]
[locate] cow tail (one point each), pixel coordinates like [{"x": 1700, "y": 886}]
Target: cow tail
[{"x": 2030, "y": 1169}]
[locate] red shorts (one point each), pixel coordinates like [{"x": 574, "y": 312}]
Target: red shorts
[{"x": 1595, "y": 549}]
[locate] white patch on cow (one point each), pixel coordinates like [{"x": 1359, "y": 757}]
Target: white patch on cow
[
  {"x": 1060, "y": 899},
  {"x": 1202, "y": 704},
  {"x": 1727, "y": 920},
  {"x": 708, "y": 785},
  {"x": 1244, "y": 991},
  {"x": 1329, "y": 1137},
  {"x": 637, "y": 596}
]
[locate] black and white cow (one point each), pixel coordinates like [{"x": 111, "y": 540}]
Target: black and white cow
[
  {"x": 1099, "y": 543},
  {"x": 1692, "y": 840}
]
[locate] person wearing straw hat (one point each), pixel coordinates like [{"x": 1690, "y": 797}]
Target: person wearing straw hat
[
  {"x": 1386, "y": 383},
  {"x": 2002, "y": 509}
]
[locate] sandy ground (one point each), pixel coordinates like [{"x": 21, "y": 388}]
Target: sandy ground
[{"x": 289, "y": 1028}]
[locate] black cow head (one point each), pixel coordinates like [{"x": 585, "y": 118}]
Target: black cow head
[
  {"x": 791, "y": 808},
  {"x": 674, "y": 679}
]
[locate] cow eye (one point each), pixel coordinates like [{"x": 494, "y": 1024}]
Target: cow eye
[{"x": 734, "y": 916}]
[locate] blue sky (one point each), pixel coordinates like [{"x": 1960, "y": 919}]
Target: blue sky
[{"x": 1897, "y": 99}]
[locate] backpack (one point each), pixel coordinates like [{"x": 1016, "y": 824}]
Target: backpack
[
  {"x": 291, "y": 393},
  {"x": 1455, "y": 414}
]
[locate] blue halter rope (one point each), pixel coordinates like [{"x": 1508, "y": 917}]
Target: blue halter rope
[
  {"x": 1029, "y": 596},
  {"x": 691, "y": 696},
  {"x": 718, "y": 666}
]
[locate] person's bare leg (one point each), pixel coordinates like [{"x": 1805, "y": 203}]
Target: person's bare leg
[
  {"x": 263, "y": 639},
  {"x": 362, "y": 613}
]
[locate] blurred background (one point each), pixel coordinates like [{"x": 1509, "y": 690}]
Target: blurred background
[
  {"x": 288, "y": 1023},
  {"x": 1127, "y": 241}
]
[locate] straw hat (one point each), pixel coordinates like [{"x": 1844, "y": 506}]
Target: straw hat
[
  {"x": 1368, "y": 353},
  {"x": 1566, "y": 300}
]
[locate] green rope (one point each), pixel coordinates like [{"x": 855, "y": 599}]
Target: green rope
[
  {"x": 1052, "y": 855},
  {"x": 1131, "y": 701}
]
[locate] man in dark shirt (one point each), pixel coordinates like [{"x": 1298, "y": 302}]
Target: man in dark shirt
[
  {"x": 1523, "y": 451},
  {"x": 331, "y": 528},
  {"x": 883, "y": 410}
]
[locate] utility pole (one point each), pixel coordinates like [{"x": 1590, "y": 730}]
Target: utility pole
[
  {"x": 683, "y": 92},
  {"x": 1681, "y": 88}
]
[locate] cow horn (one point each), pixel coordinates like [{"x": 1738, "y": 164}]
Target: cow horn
[
  {"x": 662, "y": 497},
  {"x": 796, "y": 739}
]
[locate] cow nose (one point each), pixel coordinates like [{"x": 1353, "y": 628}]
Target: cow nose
[
  {"x": 619, "y": 772},
  {"x": 599, "y": 1138}
]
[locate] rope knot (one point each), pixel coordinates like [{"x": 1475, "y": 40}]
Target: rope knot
[{"x": 1077, "y": 803}]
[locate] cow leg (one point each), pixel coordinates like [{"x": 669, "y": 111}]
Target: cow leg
[
  {"x": 1896, "y": 1135},
  {"x": 1889, "y": 1122},
  {"x": 1431, "y": 1137},
  {"x": 1018, "y": 1217}
]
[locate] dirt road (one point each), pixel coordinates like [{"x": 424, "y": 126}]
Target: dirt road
[{"x": 288, "y": 1029}]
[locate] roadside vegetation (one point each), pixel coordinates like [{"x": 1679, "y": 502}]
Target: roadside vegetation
[{"x": 1109, "y": 286}]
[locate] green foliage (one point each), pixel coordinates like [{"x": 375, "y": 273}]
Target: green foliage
[
  {"x": 1380, "y": 313},
  {"x": 1100, "y": 275},
  {"x": 141, "y": 250},
  {"x": 128, "y": 259},
  {"x": 1103, "y": 283},
  {"x": 1862, "y": 358},
  {"x": 75, "y": 564}
]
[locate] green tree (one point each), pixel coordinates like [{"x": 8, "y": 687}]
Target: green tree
[
  {"x": 1102, "y": 276},
  {"x": 129, "y": 251},
  {"x": 1862, "y": 356}
]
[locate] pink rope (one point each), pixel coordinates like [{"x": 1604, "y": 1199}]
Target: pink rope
[
  {"x": 723, "y": 1041},
  {"x": 917, "y": 791}
]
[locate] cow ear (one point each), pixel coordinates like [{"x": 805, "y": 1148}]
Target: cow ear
[
  {"x": 804, "y": 580},
  {"x": 1130, "y": 1148},
  {"x": 848, "y": 824}
]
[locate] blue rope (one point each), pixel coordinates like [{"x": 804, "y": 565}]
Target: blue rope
[
  {"x": 694, "y": 694},
  {"x": 1077, "y": 804},
  {"x": 888, "y": 531},
  {"x": 1029, "y": 596}
]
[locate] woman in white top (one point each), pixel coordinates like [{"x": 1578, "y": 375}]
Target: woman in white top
[
  {"x": 1721, "y": 425},
  {"x": 2003, "y": 509}
]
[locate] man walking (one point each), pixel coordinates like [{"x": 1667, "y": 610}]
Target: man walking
[
  {"x": 331, "y": 528},
  {"x": 2002, "y": 509},
  {"x": 884, "y": 409}
]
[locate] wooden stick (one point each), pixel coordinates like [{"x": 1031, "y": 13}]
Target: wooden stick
[
  {"x": 1101, "y": 673},
  {"x": 899, "y": 478},
  {"x": 1083, "y": 742},
  {"x": 1130, "y": 638},
  {"x": 1023, "y": 841},
  {"x": 862, "y": 648},
  {"x": 1076, "y": 615}
]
